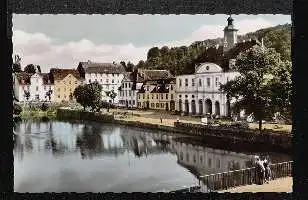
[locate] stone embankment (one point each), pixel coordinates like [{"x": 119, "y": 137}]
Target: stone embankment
[{"x": 225, "y": 133}]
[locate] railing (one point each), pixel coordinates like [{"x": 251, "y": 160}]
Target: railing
[{"x": 248, "y": 176}]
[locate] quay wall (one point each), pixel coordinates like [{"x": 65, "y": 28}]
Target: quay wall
[{"x": 199, "y": 131}]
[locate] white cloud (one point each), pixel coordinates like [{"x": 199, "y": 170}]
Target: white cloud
[{"x": 38, "y": 48}]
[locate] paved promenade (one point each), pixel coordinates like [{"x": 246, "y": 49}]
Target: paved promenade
[
  {"x": 153, "y": 117},
  {"x": 278, "y": 185}
]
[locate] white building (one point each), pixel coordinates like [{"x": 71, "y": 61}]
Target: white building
[
  {"x": 108, "y": 75},
  {"x": 36, "y": 85},
  {"x": 200, "y": 94},
  {"x": 128, "y": 91}
]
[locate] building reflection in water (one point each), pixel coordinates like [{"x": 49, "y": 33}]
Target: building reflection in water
[{"x": 98, "y": 141}]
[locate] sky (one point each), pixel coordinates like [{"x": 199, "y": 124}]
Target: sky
[{"x": 65, "y": 40}]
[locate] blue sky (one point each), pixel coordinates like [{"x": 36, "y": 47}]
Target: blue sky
[{"x": 64, "y": 40}]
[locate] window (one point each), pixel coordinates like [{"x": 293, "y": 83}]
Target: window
[
  {"x": 95, "y": 80},
  {"x": 216, "y": 81},
  {"x": 171, "y": 87},
  {"x": 44, "y": 87},
  {"x": 218, "y": 163},
  {"x": 36, "y": 88},
  {"x": 180, "y": 82},
  {"x": 152, "y": 96},
  {"x": 76, "y": 82},
  {"x": 186, "y": 82},
  {"x": 208, "y": 81},
  {"x": 89, "y": 80},
  {"x": 58, "y": 96},
  {"x": 171, "y": 96},
  {"x": 142, "y": 96},
  {"x": 129, "y": 85},
  {"x": 195, "y": 160},
  {"x": 181, "y": 155},
  {"x": 107, "y": 80},
  {"x": 64, "y": 89},
  {"x": 130, "y": 93},
  {"x": 210, "y": 162},
  {"x": 166, "y": 96},
  {"x": 125, "y": 85},
  {"x": 133, "y": 102},
  {"x": 148, "y": 88},
  {"x": 201, "y": 160},
  {"x": 148, "y": 96},
  {"x": 156, "y": 96},
  {"x": 139, "y": 96},
  {"x": 192, "y": 82},
  {"x": 112, "y": 81},
  {"x": 70, "y": 82},
  {"x": 129, "y": 102},
  {"x": 157, "y": 105},
  {"x": 101, "y": 80},
  {"x": 58, "y": 89},
  {"x": 112, "y": 75},
  {"x": 162, "y": 96},
  {"x": 200, "y": 82},
  {"x": 126, "y": 93},
  {"x": 187, "y": 157}
]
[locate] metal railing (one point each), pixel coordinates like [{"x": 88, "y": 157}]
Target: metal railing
[{"x": 241, "y": 177}]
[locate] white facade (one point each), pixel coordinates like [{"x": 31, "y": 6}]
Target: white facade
[
  {"x": 108, "y": 81},
  {"x": 199, "y": 93},
  {"x": 128, "y": 94},
  {"x": 35, "y": 85}
]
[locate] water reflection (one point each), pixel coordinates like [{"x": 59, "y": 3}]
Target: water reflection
[{"x": 75, "y": 157}]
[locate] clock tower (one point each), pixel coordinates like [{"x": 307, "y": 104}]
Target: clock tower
[{"x": 230, "y": 35}]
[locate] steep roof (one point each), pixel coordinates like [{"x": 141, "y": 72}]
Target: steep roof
[
  {"x": 59, "y": 74},
  {"x": 149, "y": 75},
  {"x": 102, "y": 68},
  {"x": 160, "y": 89},
  {"x": 47, "y": 79}
]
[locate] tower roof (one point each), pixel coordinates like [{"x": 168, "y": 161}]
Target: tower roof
[{"x": 230, "y": 25}]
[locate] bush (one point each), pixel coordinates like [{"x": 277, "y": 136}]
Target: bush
[
  {"x": 44, "y": 107},
  {"x": 16, "y": 109}
]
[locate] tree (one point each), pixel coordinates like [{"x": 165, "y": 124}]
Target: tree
[
  {"x": 153, "y": 53},
  {"x": 130, "y": 67},
  {"x": 16, "y": 64},
  {"x": 80, "y": 95},
  {"x": 256, "y": 89},
  {"x": 30, "y": 69},
  {"x": 27, "y": 94},
  {"x": 140, "y": 65},
  {"x": 112, "y": 95},
  {"x": 88, "y": 95},
  {"x": 39, "y": 69},
  {"x": 48, "y": 94}
]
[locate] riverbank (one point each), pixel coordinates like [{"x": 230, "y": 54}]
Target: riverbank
[
  {"x": 228, "y": 134},
  {"x": 278, "y": 185}
]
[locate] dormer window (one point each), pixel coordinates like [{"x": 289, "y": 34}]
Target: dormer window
[{"x": 207, "y": 67}]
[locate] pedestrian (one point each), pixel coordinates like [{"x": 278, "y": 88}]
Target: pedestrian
[
  {"x": 260, "y": 171},
  {"x": 161, "y": 120},
  {"x": 268, "y": 172}
]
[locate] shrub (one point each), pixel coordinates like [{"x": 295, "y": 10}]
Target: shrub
[
  {"x": 44, "y": 107},
  {"x": 17, "y": 109}
]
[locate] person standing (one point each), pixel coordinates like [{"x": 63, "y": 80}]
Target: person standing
[
  {"x": 267, "y": 171},
  {"x": 260, "y": 171}
]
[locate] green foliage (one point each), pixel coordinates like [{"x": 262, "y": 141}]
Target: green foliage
[
  {"x": 258, "y": 90},
  {"x": 16, "y": 67},
  {"x": 30, "y": 69},
  {"x": 182, "y": 60},
  {"x": 111, "y": 94},
  {"x": 16, "y": 109},
  {"x": 89, "y": 95},
  {"x": 44, "y": 107}
]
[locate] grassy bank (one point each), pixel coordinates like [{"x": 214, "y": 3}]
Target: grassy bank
[{"x": 37, "y": 113}]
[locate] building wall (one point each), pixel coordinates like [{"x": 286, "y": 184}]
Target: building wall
[
  {"x": 144, "y": 98},
  {"x": 108, "y": 82},
  {"x": 199, "y": 93},
  {"x": 127, "y": 96},
  {"x": 162, "y": 101},
  {"x": 63, "y": 88}
]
